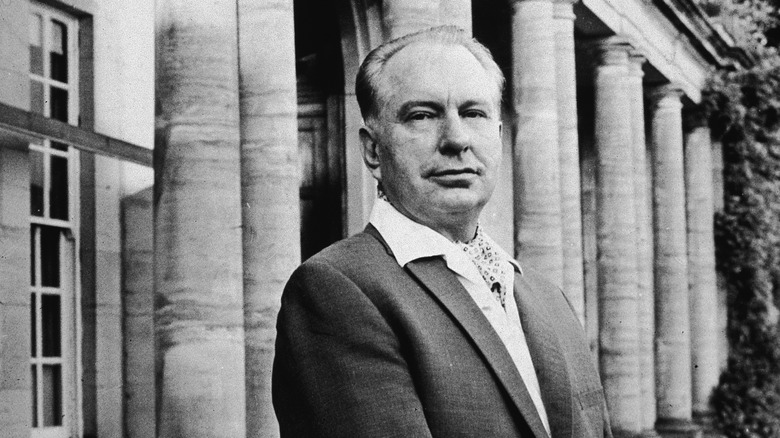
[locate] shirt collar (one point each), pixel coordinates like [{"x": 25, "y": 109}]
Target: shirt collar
[{"x": 409, "y": 240}]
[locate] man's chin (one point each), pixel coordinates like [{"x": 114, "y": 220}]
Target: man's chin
[{"x": 454, "y": 202}]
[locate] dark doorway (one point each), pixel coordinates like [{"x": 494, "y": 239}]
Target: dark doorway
[{"x": 320, "y": 124}]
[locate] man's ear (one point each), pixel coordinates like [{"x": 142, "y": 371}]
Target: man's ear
[{"x": 370, "y": 151}]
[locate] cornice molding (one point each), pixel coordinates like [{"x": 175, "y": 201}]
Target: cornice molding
[{"x": 697, "y": 26}]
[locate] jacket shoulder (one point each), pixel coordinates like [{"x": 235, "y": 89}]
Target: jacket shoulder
[
  {"x": 362, "y": 258},
  {"x": 358, "y": 245},
  {"x": 354, "y": 252},
  {"x": 542, "y": 285}
]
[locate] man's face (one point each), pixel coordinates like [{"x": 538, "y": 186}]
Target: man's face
[{"x": 436, "y": 143}]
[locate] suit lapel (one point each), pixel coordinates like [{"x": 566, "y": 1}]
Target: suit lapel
[
  {"x": 549, "y": 361},
  {"x": 442, "y": 283}
]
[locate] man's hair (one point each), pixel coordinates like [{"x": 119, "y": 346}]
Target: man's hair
[{"x": 369, "y": 75}]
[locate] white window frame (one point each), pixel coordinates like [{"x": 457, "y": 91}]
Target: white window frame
[
  {"x": 48, "y": 13},
  {"x": 70, "y": 285},
  {"x": 68, "y": 352}
]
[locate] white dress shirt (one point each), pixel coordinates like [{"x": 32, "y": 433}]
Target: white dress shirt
[{"x": 409, "y": 240}]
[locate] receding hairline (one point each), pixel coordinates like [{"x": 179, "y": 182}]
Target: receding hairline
[{"x": 372, "y": 70}]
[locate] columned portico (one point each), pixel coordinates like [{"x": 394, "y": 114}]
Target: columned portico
[
  {"x": 644, "y": 245},
  {"x": 537, "y": 186},
  {"x": 673, "y": 332},
  {"x": 703, "y": 290},
  {"x": 568, "y": 142},
  {"x": 208, "y": 251},
  {"x": 616, "y": 237}
]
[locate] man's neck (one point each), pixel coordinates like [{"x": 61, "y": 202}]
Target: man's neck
[
  {"x": 461, "y": 227},
  {"x": 457, "y": 233}
]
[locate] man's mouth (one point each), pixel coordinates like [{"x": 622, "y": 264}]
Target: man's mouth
[
  {"x": 454, "y": 178},
  {"x": 454, "y": 172}
]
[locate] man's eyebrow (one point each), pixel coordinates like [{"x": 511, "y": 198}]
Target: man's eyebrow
[
  {"x": 421, "y": 103},
  {"x": 475, "y": 102}
]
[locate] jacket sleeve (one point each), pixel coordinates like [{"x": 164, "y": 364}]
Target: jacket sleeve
[{"x": 338, "y": 369}]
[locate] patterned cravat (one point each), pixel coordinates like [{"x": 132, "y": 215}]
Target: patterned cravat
[{"x": 495, "y": 270}]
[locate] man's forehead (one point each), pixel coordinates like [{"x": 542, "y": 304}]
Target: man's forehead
[
  {"x": 423, "y": 54},
  {"x": 427, "y": 68}
]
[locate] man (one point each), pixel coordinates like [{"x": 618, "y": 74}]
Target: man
[{"x": 421, "y": 326}]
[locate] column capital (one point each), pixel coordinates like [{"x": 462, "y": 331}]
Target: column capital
[
  {"x": 613, "y": 50},
  {"x": 667, "y": 95},
  {"x": 636, "y": 59},
  {"x": 616, "y": 47}
]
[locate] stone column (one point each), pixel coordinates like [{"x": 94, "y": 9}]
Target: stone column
[
  {"x": 15, "y": 163},
  {"x": 616, "y": 237},
  {"x": 568, "y": 141},
  {"x": 538, "y": 240},
  {"x": 15, "y": 384},
  {"x": 716, "y": 155},
  {"x": 672, "y": 317},
  {"x": 108, "y": 297},
  {"x": 138, "y": 315},
  {"x": 717, "y": 205},
  {"x": 456, "y": 12},
  {"x": 270, "y": 181},
  {"x": 199, "y": 318},
  {"x": 644, "y": 246},
  {"x": 702, "y": 280},
  {"x": 401, "y": 17}
]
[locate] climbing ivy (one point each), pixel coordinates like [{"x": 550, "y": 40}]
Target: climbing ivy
[{"x": 744, "y": 113}]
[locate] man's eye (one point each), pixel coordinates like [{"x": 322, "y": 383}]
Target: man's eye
[
  {"x": 474, "y": 114},
  {"x": 420, "y": 116}
]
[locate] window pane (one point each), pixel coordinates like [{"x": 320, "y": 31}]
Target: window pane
[
  {"x": 52, "y": 395},
  {"x": 34, "y": 388},
  {"x": 36, "y": 183},
  {"x": 33, "y": 253},
  {"x": 36, "y": 97},
  {"x": 59, "y": 146},
  {"x": 50, "y": 256},
  {"x": 58, "y": 55},
  {"x": 36, "y": 49},
  {"x": 58, "y": 194},
  {"x": 33, "y": 331},
  {"x": 50, "y": 325},
  {"x": 58, "y": 104}
]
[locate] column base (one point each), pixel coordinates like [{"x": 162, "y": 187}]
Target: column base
[
  {"x": 707, "y": 424},
  {"x": 674, "y": 428},
  {"x": 649, "y": 433}
]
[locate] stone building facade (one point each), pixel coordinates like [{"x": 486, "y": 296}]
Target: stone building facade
[{"x": 127, "y": 308}]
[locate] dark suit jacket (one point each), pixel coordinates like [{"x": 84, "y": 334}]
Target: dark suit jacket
[{"x": 366, "y": 348}]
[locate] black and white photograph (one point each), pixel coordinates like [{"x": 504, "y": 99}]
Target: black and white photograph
[{"x": 389, "y": 218}]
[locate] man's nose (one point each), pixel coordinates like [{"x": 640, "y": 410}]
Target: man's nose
[{"x": 455, "y": 138}]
